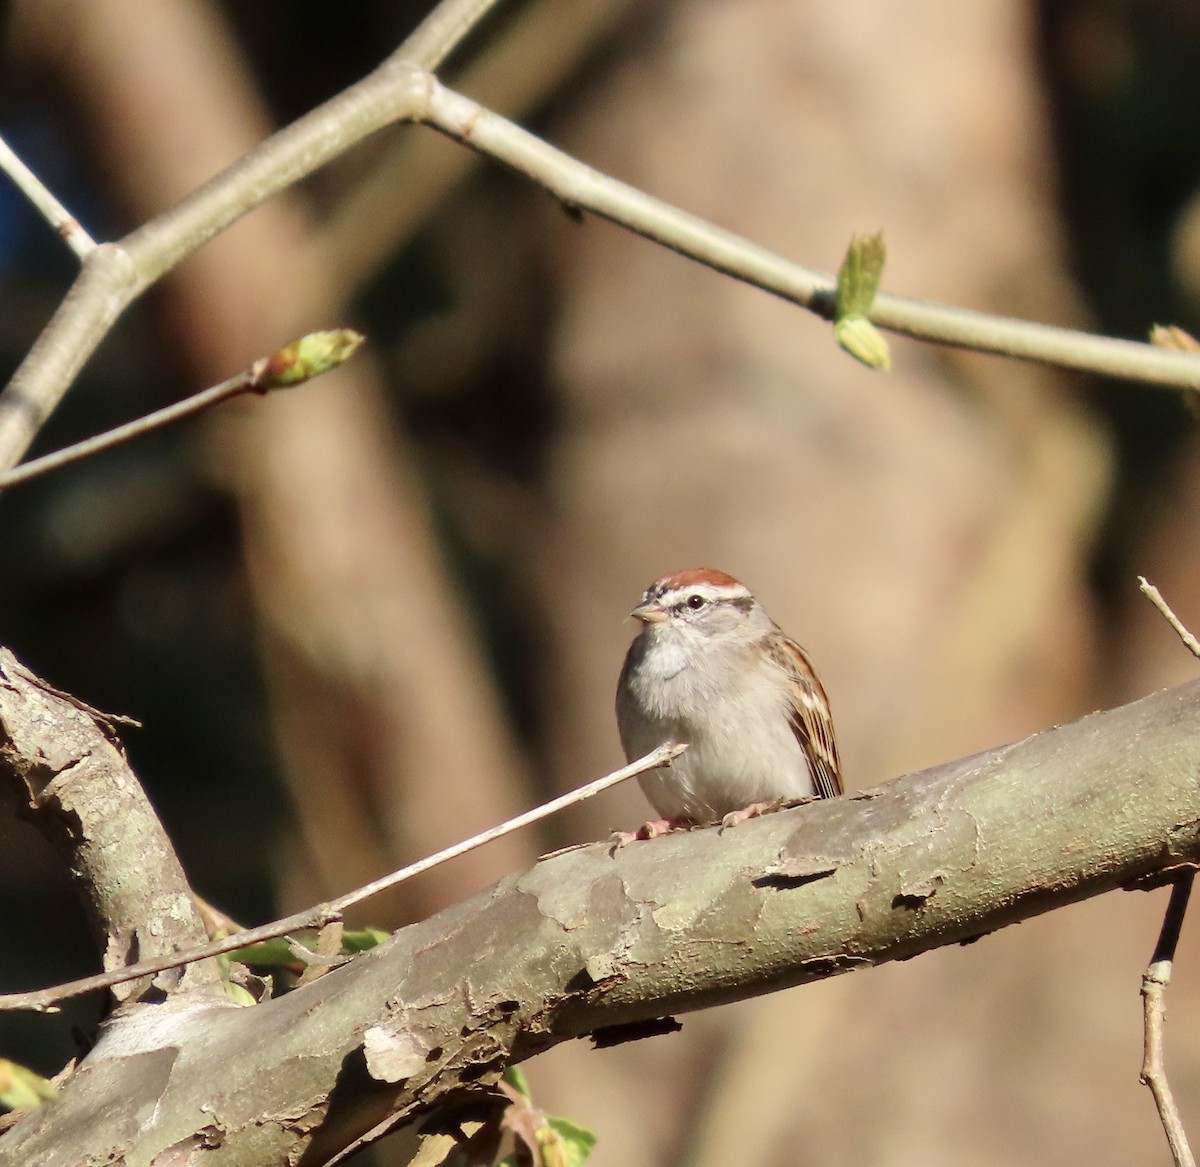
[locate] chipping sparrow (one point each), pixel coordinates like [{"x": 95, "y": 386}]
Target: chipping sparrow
[{"x": 711, "y": 669}]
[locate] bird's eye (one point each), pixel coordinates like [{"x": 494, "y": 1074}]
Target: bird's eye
[{"x": 695, "y": 602}]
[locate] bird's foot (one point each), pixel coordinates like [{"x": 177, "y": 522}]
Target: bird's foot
[
  {"x": 753, "y": 811},
  {"x": 650, "y": 830}
]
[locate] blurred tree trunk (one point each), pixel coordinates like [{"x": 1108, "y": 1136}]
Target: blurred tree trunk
[{"x": 924, "y": 533}]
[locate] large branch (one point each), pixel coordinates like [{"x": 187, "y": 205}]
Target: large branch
[
  {"x": 65, "y": 764},
  {"x": 595, "y": 938}
]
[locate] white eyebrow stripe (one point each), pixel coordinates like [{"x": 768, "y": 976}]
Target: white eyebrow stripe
[{"x": 713, "y": 592}]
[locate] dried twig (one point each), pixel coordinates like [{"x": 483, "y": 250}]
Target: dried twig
[
  {"x": 1155, "y": 597},
  {"x": 44, "y": 1000},
  {"x": 1154, "y": 1012},
  {"x": 1158, "y": 973}
]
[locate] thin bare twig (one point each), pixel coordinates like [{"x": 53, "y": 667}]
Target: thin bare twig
[
  {"x": 295, "y": 363},
  {"x": 1154, "y": 1012},
  {"x": 36, "y": 467},
  {"x": 651, "y": 761},
  {"x": 65, "y": 225},
  {"x": 44, "y": 1000},
  {"x": 442, "y": 31},
  {"x": 114, "y": 275},
  {"x": 1158, "y": 973},
  {"x": 521, "y": 61},
  {"x": 579, "y": 186},
  {"x": 1155, "y": 597}
]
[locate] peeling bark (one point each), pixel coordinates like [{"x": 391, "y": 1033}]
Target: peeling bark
[
  {"x": 600, "y": 937},
  {"x": 68, "y": 765}
]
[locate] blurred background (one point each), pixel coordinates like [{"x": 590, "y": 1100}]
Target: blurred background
[{"x": 364, "y": 619}]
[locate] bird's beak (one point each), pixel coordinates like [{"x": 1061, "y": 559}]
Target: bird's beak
[{"x": 649, "y": 612}]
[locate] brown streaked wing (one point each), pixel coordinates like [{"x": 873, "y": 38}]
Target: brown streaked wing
[{"x": 810, "y": 717}]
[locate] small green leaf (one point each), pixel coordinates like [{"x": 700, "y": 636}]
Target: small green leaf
[
  {"x": 239, "y": 994},
  {"x": 267, "y": 954},
  {"x": 22, "y": 1089},
  {"x": 308, "y": 357},
  {"x": 857, "y": 282},
  {"x": 863, "y": 341},
  {"x": 277, "y": 953},
  {"x": 576, "y": 1142},
  {"x": 859, "y": 275},
  {"x": 360, "y": 939}
]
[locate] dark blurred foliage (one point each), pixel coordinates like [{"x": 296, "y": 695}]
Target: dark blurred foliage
[
  {"x": 120, "y": 580},
  {"x": 1123, "y": 83}
]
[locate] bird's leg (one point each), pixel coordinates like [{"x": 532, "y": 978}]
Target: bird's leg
[{"x": 753, "y": 811}]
